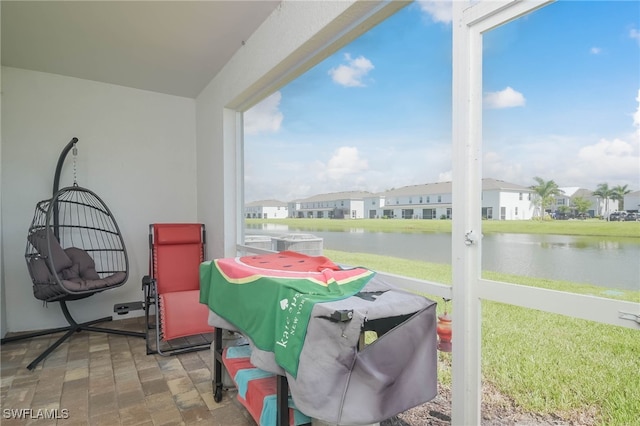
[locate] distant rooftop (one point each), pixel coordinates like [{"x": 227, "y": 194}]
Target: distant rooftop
[
  {"x": 347, "y": 195},
  {"x": 266, "y": 203},
  {"x": 488, "y": 184},
  {"x": 446, "y": 188}
]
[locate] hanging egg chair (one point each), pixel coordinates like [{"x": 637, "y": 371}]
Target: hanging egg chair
[
  {"x": 74, "y": 250},
  {"x": 74, "y": 247}
]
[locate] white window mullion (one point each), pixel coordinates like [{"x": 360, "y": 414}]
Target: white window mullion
[
  {"x": 239, "y": 143},
  {"x": 466, "y": 135},
  {"x": 470, "y": 20},
  {"x": 232, "y": 204}
]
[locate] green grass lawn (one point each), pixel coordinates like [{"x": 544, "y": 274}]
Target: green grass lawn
[
  {"x": 589, "y": 227},
  {"x": 546, "y": 363}
]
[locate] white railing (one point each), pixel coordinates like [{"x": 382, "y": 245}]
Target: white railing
[{"x": 593, "y": 308}]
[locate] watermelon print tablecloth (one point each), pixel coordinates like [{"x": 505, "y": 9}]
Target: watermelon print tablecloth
[{"x": 270, "y": 297}]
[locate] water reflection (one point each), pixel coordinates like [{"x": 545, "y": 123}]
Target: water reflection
[
  {"x": 608, "y": 245},
  {"x": 276, "y": 227},
  {"x": 613, "y": 263},
  {"x": 563, "y": 245}
]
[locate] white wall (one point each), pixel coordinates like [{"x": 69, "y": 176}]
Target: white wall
[
  {"x": 136, "y": 150},
  {"x": 358, "y": 206},
  {"x": 632, "y": 201},
  {"x": 509, "y": 200},
  {"x": 276, "y": 212}
]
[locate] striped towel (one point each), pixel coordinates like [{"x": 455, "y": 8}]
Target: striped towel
[{"x": 257, "y": 390}]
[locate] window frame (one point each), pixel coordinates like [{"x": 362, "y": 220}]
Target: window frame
[{"x": 470, "y": 21}]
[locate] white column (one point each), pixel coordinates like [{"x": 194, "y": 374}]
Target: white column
[{"x": 466, "y": 229}]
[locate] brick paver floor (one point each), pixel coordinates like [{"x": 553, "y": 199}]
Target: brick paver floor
[{"x": 106, "y": 379}]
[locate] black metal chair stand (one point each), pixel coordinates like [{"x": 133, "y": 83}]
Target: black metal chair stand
[{"x": 73, "y": 327}]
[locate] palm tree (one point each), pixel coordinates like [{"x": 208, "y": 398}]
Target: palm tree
[
  {"x": 618, "y": 194},
  {"x": 546, "y": 192},
  {"x": 605, "y": 193}
]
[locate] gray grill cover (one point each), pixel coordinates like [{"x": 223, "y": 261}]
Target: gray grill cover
[{"x": 338, "y": 384}]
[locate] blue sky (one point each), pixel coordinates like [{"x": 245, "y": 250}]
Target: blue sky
[{"x": 561, "y": 101}]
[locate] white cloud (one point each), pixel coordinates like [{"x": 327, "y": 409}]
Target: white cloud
[
  {"x": 265, "y": 116},
  {"x": 345, "y": 162},
  {"x": 495, "y": 166},
  {"x": 613, "y": 160},
  {"x": 609, "y": 159},
  {"x": 507, "y": 98},
  {"x": 595, "y": 50},
  {"x": 352, "y": 73},
  {"x": 635, "y": 34},
  {"x": 397, "y": 163},
  {"x": 569, "y": 161},
  {"x": 438, "y": 10}
]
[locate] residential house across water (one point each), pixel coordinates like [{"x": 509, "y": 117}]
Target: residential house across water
[
  {"x": 337, "y": 205},
  {"x": 500, "y": 201},
  {"x": 266, "y": 209},
  {"x": 599, "y": 206}
]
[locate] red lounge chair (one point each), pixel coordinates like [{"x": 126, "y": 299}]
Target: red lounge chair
[{"x": 173, "y": 286}]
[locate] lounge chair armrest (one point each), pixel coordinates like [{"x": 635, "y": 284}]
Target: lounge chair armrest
[{"x": 147, "y": 281}]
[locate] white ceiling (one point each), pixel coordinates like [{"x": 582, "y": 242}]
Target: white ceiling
[{"x": 173, "y": 47}]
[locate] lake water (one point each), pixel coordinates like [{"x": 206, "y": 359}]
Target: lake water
[{"x": 613, "y": 263}]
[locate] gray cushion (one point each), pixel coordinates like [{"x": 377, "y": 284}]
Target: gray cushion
[
  {"x": 49, "y": 248},
  {"x": 74, "y": 267},
  {"x": 83, "y": 265},
  {"x": 78, "y": 284},
  {"x": 40, "y": 272}
]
